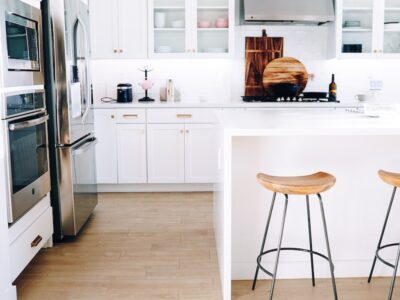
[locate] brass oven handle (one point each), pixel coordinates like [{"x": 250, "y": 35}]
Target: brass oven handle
[
  {"x": 36, "y": 241},
  {"x": 184, "y": 116}
]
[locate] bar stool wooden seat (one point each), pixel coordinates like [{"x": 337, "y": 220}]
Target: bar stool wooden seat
[
  {"x": 392, "y": 179},
  {"x": 314, "y": 184}
]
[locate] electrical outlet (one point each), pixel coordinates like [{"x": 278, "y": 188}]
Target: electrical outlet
[{"x": 375, "y": 85}]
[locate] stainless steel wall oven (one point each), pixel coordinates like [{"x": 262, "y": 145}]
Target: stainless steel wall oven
[{"x": 25, "y": 121}]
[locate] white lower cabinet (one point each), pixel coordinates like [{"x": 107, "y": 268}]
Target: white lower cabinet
[
  {"x": 132, "y": 158},
  {"x": 166, "y": 150},
  {"x": 106, "y": 149},
  {"x": 157, "y": 146},
  {"x": 201, "y": 153}
]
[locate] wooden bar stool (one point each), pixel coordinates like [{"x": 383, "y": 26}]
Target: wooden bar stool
[
  {"x": 313, "y": 184},
  {"x": 392, "y": 179}
]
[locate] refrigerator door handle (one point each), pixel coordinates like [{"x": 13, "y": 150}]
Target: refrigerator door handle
[{"x": 82, "y": 148}]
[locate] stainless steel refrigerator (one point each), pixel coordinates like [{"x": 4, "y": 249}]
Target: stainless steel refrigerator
[{"x": 71, "y": 128}]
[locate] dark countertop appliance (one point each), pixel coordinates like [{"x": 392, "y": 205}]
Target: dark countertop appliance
[{"x": 124, "y": 93}]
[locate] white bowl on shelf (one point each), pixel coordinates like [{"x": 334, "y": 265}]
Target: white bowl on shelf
[
  {"x": 163, "y": 49},
  {"x": 215, "y": 50},
  {"x": 178, "y": 24},
  {"x": 393, "y": 26}
]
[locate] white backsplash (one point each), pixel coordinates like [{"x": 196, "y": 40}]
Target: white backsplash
[{"x": 222, "y": 80}]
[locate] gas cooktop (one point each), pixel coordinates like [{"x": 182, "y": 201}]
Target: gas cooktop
[{"x": 310, "y": 97}]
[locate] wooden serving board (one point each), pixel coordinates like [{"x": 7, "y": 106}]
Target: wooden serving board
[
  {"x": 285, "y": 70},
  {"x": 259, "y": 52}
]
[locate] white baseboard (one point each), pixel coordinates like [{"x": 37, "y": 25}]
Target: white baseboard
[
  {"x": 146, "y": 188},
  {"x": 9, "y": 294},
  {"x": 302, "y": 269}
]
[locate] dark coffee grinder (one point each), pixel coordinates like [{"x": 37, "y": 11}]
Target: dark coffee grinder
[{"x": 124, "y": 93}]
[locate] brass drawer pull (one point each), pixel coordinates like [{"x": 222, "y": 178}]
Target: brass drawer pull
[
  {"x": 36, "y": 241},
  {"x": 130, "y": 116},
  {"x": 184, "y": 116}
]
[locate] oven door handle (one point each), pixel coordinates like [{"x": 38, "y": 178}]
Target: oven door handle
[{"x": 28, "y": 124}]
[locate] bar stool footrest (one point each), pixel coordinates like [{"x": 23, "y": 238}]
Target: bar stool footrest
[
  {"x": 384, "y": 247},
  {"x": 287, "y": 249}
]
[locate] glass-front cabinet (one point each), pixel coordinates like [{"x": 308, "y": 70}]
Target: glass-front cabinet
[
  {"x": 368, "y": 27},
  {"x": 180, "y": 28}
]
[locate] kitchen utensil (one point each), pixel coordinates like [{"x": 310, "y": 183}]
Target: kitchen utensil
[
  {"x": 315, "y": 95},
  {"x": 285, "y": 70},
  {"x": 124, "y": 93},
  {"x": 178, "y": 24},
  {"x": 170, "y": 90},
  {"x": 352, "y": 48},
  {"x": 283, "y": 90},
  {"x": 159, "y": 19},
  {"x": 259, "y": 52},
  {"x": 352, "y": 24},
  {"x": 222, "y": 22},
  {"x": 204, "y": 24}
]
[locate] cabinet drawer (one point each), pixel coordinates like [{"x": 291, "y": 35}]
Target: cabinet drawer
[
  {"x": 181, "y": 115},
  {"x": 131, "y": 116},
  {"x": 28, "y": 244}
]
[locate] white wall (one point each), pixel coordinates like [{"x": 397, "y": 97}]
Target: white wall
[{"x": 218, "y": 80}]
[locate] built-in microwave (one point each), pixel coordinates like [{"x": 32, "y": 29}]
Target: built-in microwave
[{"x": 21, "y": 34}]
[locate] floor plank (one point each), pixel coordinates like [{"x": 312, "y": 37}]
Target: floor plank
[
  {"x": 348, "y": 289},
  {"x": 135, "y": 246}
]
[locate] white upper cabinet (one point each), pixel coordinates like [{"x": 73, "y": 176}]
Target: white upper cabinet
[
  {"x": 119, "y": 29},
  {"x": 368, "y": 28},
  {"x": 188, "y": 28}
]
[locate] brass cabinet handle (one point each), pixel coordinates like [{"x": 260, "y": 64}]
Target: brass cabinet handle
[
  {"x": 112, "y": 116},
  {"x": 130, "y": 116},
  {"x": 182, "y": 131},
  {"x": 184, "y": 116},
  {"x": 115, "y": 50},
  {"x": 36, "y": 241},
  {"x": 187, "y": 130},
  {"x": 121, "y": 50}
]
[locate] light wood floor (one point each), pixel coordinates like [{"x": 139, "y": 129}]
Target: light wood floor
[
  {"x": 136, "y": 246},
  {"x": 348, "y": 289}
]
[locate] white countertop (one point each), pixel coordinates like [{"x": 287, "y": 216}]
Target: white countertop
[
  {"x": 236, "y": 104},
  {"x": 307, "y": 122}
]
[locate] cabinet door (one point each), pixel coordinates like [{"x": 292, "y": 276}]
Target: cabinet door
[
  {"x": 132, "y": 160},
  {"x": 201, "y": 153},
  {"x": 104, "y": 28},
  {"x": 165, "y": 146},
  {"x": 132, "y": 28},
  {"x": 106, "y": 150}
]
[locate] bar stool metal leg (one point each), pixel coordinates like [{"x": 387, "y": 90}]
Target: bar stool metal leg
[
  {"x": 328, "y": 247},
  {"x": 394, "y": 275},
  {"x": 265, "y": 238},
  {"x": 382, "y": 234},
  {"x": 271, "y": 292},
  {"x": 310, "y": 239}
]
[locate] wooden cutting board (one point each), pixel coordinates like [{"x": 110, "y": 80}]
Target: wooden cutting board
[
  {"x": 285, "y": 70},
  {"x": 259, "y": 52}
]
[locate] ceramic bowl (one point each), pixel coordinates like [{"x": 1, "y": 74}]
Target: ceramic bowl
[
  {"x": 204, "y": 24},
  {"x": 222, "y": 23}
]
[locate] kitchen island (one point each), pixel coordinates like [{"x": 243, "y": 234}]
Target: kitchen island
[{"x": 351, "y": 146}]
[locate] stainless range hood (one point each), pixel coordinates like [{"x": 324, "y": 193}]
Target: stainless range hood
[{"x": 298, "y": 11}]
